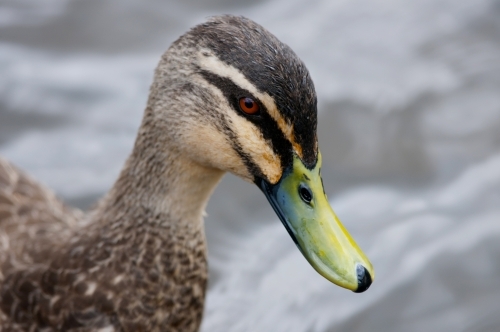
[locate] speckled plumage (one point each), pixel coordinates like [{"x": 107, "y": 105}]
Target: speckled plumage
[
  {"x": 130, "y": 266},
  {"x": 137, "y": 262}
]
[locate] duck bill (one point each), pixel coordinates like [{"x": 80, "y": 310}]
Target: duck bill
[{"x": 301, "y": 203}]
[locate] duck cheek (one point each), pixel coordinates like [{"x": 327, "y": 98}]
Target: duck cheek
[{"x": 209, "y": 147}]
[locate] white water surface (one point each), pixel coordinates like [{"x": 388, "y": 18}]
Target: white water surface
[{"x": 409, "y": 128}]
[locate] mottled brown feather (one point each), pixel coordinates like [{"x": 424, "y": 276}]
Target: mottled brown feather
[
  {"x": 31, "y": 217},
  {"x": 132, "y": 277}
]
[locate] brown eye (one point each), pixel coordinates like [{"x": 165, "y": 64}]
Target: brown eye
[{"x": 249, "y": 106}]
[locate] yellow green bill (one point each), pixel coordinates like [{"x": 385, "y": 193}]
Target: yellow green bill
[{"x": 301, "y": 203}]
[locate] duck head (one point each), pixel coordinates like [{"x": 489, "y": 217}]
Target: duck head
[{"x": 236, "y": 99}]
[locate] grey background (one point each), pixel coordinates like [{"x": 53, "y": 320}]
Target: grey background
[{"x": 409, "y": 128}]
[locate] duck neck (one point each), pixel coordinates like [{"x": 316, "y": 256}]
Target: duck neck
[
  {"x": 158, "y": 181},
  {"x": 148, "y": 233}
]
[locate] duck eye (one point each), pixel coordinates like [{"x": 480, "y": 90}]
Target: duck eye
[{"x": 249, "y": 106}]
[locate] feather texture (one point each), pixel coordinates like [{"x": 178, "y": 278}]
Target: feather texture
[{"x": 137, "y": 261}]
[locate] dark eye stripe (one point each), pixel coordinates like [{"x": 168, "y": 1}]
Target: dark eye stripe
[
  {"x": 252, "y": 167},
  {"x": 231, "y": 91},
  {"x": 266, "y": 124}
]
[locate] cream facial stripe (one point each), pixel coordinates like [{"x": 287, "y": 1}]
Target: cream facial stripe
[
  {"x": 250, "y": 139},
  {"x": 208, "y": 61}
]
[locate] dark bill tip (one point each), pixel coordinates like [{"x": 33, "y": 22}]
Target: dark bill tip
[{"x": 364, "y": 279}]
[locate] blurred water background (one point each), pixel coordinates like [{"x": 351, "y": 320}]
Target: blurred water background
[{"x": 409, "y": 128}]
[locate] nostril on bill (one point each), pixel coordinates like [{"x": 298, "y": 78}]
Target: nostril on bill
[
  {"x": 364, "y": 279},
  {"x": 305, "y": 193}
]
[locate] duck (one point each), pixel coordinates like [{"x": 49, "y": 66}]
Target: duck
[{"x": 227, "y": 96}]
